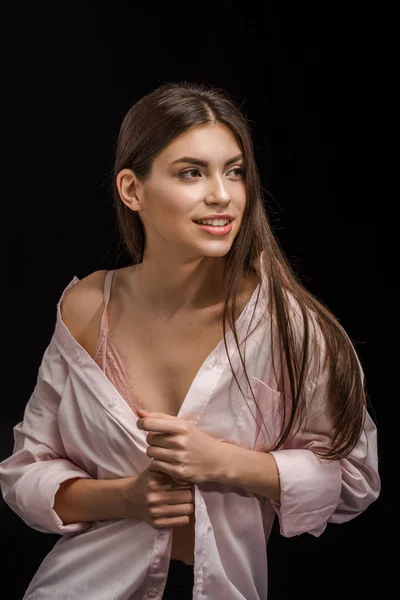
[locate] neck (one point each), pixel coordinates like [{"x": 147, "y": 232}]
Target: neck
[{"x": 170, "y": 289}]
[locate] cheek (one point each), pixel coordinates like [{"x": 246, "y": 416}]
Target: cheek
[
  {"x": 239, "y": 201},
  {"x": 177, "y": 201},
  {"x": 242, "y": 196}
]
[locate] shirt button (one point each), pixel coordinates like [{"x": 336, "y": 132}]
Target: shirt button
[
  {"x": 76, "y": 354},
  {"x": 112, "y": 401},
  {"x": 156, "y": 564},
  {"x": 152, "y": 593},
  {"x": 162, "y": 532}
]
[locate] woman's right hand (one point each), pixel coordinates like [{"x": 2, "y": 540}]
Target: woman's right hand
[{"x": 159, "y": 500}]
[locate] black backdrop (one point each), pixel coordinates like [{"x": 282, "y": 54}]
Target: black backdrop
[{"x": 307, "y": 81}]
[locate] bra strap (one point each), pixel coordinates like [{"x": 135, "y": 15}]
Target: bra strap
[{"x": 107, "y": 292}]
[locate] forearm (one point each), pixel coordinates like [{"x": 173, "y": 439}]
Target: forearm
[
  {"x": 91, "y": 499},
  {"x": 254, "y": 471}
]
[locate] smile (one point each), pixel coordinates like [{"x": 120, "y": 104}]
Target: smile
[{"x": 215, "y": 229}]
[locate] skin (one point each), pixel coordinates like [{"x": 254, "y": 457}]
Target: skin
[{"x": 182, "y": 267}]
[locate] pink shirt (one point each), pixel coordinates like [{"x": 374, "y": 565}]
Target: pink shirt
[{"x": 77, "y": 424}]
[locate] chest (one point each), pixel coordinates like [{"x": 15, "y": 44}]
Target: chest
[
  {"x": 162, "y": 361},
  {"x": 160, "y": 358}
]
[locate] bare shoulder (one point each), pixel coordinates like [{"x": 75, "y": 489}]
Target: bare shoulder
[{"x": 82, "y": 307}]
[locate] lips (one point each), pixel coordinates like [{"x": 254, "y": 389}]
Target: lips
[{"x": 218, "y": 230}]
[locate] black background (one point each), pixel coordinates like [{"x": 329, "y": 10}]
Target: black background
[{"x": 310, "y": 80}]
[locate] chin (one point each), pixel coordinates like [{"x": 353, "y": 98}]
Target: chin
[{"x": 216, "y": 252}]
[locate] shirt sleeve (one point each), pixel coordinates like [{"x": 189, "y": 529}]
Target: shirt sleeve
[
  {"x": 31, "y": 476},
  {"x": 316, "y": 491}
]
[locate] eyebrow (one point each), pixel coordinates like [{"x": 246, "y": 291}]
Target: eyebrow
[{"x": 204, "y": 163}]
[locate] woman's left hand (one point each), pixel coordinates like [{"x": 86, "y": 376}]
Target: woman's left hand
[{"x": 178, "y": 448}]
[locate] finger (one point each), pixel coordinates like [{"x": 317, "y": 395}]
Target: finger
[
  {"x": 160, "y": 477},
  {"x": 159, "y": 425},
  {"x": 181, "y": 482},
  {"x": 172, "y": 510},
  {"x": 146, "y": 413},
  {"x": 161, "y": 415},
  {"x": 164, "y": 454},
  {"x": 170, "y": 485},
  {"x": 171, "y": 497},
  {"x": 171, "y": 522},
  {"x": 160, "y": 467},
  {"x": 158, "y": 439},
  {"x": 164, "y": 467},
  {"x": 162, "y": 424},
  {"x": 165, "y": 482},
  {"x": 143, "y": 412}
]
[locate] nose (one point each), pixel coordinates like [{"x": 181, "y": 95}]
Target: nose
[{"x": 218, "y": 191}]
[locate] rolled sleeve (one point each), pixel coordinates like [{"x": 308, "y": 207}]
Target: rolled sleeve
[
  {"x": 31, "y": 476},
  {"x": 32, "y": 495},
  {"x": 316, "y": 491},
  {"x": 310, "y": 491}
]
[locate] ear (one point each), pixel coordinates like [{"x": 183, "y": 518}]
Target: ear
[{"x": 129, "y": 188}]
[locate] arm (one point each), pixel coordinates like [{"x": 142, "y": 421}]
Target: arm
[
  {"x": 254, "y": 471},
  {"x": 307, "y": 492},
  {"x": 95, "y": 499},
  {"x": 315, "y": 491},
  {"x": 31, "y": 476}
]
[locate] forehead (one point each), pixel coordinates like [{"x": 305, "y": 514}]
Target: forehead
[{"x": 209, "y": 141}]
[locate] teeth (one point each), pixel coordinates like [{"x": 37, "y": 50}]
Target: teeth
[{"x": 215, "y": 222}]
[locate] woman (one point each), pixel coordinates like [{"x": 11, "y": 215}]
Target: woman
[{"x": 186, "y": 400}]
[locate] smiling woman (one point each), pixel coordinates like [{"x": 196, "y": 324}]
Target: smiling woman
[{"x": 199, "y": 383}]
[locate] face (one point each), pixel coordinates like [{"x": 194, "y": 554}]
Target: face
[{"x": 199, "y": 174}]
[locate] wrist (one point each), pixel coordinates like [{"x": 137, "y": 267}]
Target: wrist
[
  {"x": 127, "y": 495},
  {"x": 223, "y": 465},
  {"x": 253, "y": 471}
]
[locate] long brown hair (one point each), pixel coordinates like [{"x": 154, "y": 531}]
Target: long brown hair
[{"x": 146, "y": 129}]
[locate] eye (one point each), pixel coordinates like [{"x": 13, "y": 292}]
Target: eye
[
  {"x": 184, "y": 173},
  {"x": 240, "y": 170}
]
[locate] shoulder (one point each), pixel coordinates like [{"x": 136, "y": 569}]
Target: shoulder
[{"x": 83, "y": 303}]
